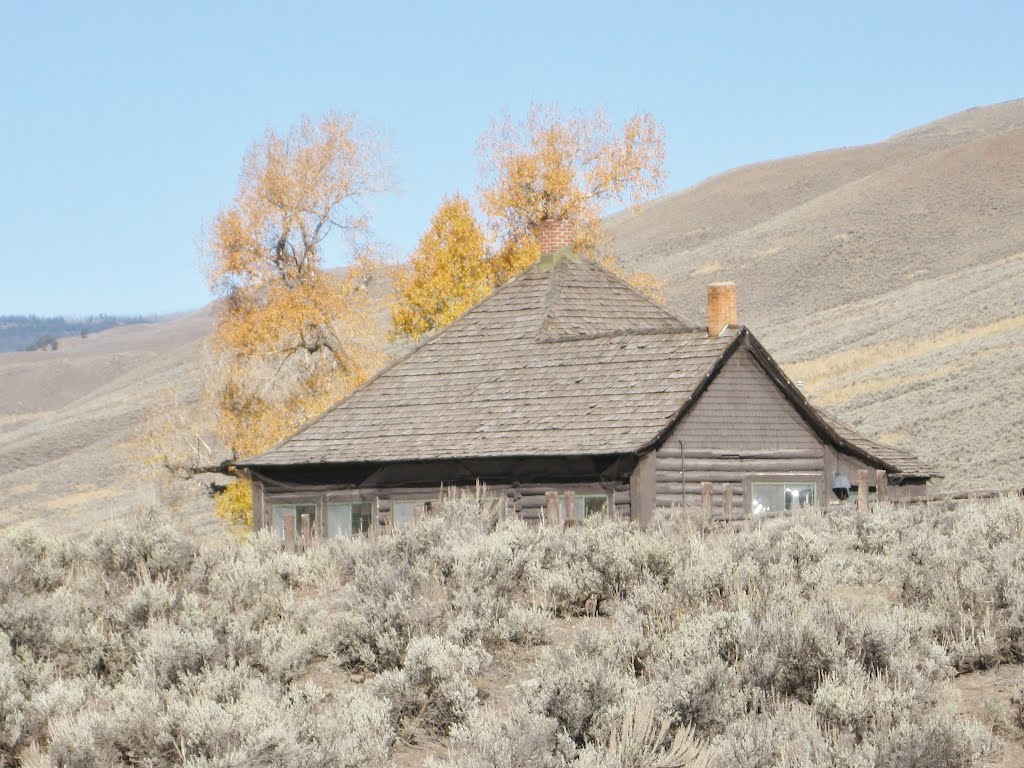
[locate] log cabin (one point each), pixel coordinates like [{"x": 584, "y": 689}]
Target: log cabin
[{"x": 567, "y": 389}]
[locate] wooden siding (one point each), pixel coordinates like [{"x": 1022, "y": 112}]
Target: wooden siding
[
  {"x": 523, "y": 483},
  {"x": 741, "y": 428}
]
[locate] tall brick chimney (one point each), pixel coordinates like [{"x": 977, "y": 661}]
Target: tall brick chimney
[
  {"x": 721, "y": 307},
  {"x": 555, "y": 234}
]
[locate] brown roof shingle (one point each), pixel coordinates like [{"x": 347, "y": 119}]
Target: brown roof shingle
[{"x": 566, "y": 359}]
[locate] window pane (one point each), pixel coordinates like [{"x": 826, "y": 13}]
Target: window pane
[
  {"x": 800, "y": 495},
  {"x": 584, "y": 505},
  {"x": 305, "y": 509},
  {"x": 403, "y": 513},
  {"x": 339, "y": 520},
  {"x": 781, "y": 496},
  {"x": 361, "y": 517},
  {"x": 278, "y": 513}
]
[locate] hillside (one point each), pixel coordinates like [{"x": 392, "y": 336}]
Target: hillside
[
  {"x": 885, "y": 277},
  {"x": 70, "y": 418},
  {"x": 26, "y": 332}
]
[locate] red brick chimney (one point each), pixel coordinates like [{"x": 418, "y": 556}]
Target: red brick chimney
[
  {"x": 721, "y": 307},
  {"x": 555, "y": 234}
]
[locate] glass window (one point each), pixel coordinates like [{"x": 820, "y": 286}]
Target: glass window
[
  {"x": 279, "y": 512},
  {"x": 347, "y": 518},
  {"x": 767, "y": 497},
  {"x": 404, "y": 512},
  {"x": 584, "y": 505}
]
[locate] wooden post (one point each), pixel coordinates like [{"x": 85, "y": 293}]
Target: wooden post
[
  {"x": 706, "y": 498},
  {"x": 552, "y": 508},
  {"x": 570, "y": 507},
  {"x": 881, "y": 485},
  {"x": 307, "y": 532},
  {"x": 259, "y": 518},
  {"x": 643, "y": 489},
  {"x": 862, "y": 490},
  {"x": 289, "y": 532},
  {"x": 727, "y": 502},
  {"x": 374, "y": 517}
]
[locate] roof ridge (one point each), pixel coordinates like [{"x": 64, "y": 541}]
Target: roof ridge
[
  {"x": 625, "y": 284},
  {"x": 554, "y": 287},
  {"x": 567, "y": 315}
]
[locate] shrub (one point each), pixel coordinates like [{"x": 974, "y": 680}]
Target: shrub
[
  {"x": 517, "y": 738},
  {"x": 433, "y": 690},
  {"x": 640, "y": 741},
  {"x": 582, "y": 687}
]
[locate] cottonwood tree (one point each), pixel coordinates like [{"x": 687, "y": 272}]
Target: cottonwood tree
[
  {"x": 448, "y": 273},
  {"x": 292, "y": 337},
  {"x": 546, "y": 167}
]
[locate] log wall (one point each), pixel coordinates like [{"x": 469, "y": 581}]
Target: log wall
[{"x": 741, "y": 429}]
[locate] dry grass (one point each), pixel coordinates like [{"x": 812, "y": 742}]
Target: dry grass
[
  {"x": 819, "y": 373},
  {"x": 706, "y": 268}
]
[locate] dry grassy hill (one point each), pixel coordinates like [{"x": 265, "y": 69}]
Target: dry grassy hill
[
  {"x": 69, "y": 420},
  {"x": 886, "y": 277}
]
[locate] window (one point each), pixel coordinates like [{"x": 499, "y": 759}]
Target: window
[
  {"x": 403, "y": 513},
  {"x": 781, "y": 496},
  {"x": 279, "y": 512},
  {"x": 584, "y": 505},
  {"x": 348, "y": 518}
]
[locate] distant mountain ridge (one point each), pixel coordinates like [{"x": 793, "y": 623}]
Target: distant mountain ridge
[{"x": 21, "y": 332}]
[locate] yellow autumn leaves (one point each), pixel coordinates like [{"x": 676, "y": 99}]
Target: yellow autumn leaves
[{"x": 547, "y": 167}]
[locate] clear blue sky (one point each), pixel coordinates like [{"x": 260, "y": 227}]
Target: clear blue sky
[{"x": 122, "y": 125}]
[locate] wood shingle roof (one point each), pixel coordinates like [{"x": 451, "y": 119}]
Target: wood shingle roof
[{"x": 566, "y": 359}]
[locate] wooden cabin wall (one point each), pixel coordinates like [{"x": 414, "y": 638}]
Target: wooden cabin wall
[
  {"x": 522, "y": 483},
  {"x": 742, "y": 428}
]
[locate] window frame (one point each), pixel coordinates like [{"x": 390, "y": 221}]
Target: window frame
[
  {"x": 780, "y": 478},
  {"x": 295, "y": 503},
  {"x": 580, "y": 497},
  {"x": 425, "y": 503}
]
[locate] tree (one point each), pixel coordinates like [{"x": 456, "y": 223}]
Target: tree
[
  {"x": 574, "y": 169},
  {"x": 543, "y": 168},
  {"x": 291, "y": 337},
  {"x": 448, "y": 273}
]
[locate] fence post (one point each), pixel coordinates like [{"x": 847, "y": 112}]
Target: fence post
[
  {"x": 289, "y": 532},
  {"x": 570, "y": 507},
  {"x": 706, "y": 498},
  {"x": 727, "y": 502},
  {"x": 862, "y": 490},
  {"x": 306, "y": 531},
  {"x": 881, "y": 485},
  {"x": 552, "y": 507}
]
